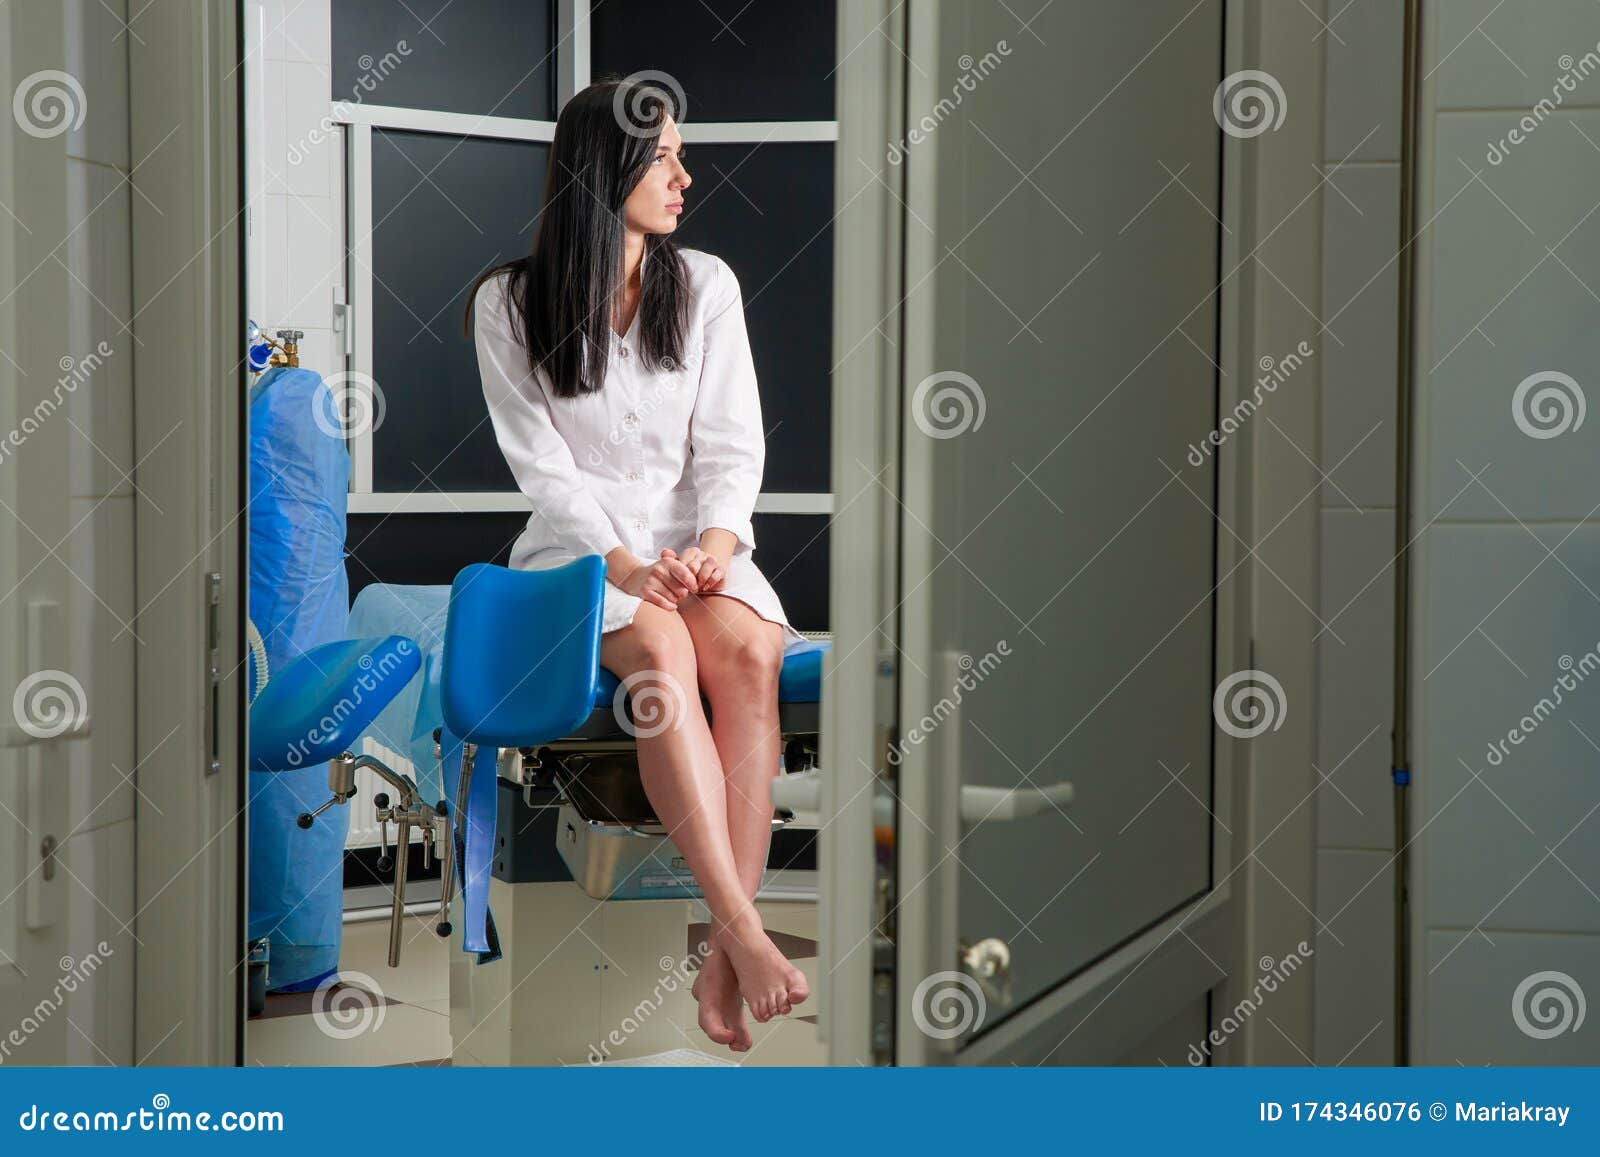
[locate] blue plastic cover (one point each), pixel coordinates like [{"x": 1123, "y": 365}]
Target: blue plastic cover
[
  {"x": 317, "y": 707},
  {"x": 299, "y": 597},
  {"x": 406, "y": 726}
]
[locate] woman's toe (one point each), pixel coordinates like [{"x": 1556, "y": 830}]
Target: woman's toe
[{"x": 712, "y": 1025}]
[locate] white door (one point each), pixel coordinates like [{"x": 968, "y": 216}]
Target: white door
[
  {"x": 120, "y": 403},
  {"x": 1033, "y": 550}
]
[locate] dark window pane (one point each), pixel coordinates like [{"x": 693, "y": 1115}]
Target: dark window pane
[
  {"x": 792, "y": 551},
  {"x": 444, "y": 209},
  {"x": 429, "y": 550},
  {"x": 478, "y": 56},
  {"x": 767, "y": 211},
  {"x": 425, "y": 550},
  {"x": 737, "y": 60}
]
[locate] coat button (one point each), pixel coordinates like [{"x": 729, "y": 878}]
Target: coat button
[
  {"x": 638, "y": 524},
  {"x": 623, "y": 351},
  {"x": 633, "y": 476}
]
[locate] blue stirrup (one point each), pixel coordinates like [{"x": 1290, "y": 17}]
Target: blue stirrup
[
  {"x": 519, "y": 667},
  {"x": 317, "y": 707}
]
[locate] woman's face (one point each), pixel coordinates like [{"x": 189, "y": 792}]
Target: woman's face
[{"x": 655, "y": 203}]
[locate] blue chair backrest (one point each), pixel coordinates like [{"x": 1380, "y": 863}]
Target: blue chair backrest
[{"x": 521, "y": 652}]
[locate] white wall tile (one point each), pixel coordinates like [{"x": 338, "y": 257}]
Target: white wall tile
[
  {"x": 1355, "y": 959},
  {"x": 100, "y": 603},
  {"x": 273, "y": 46},
  {"x": 1502, "y": 620},
  {"x": 307, "y": 162},
  {"x": 100, "y": 906},
  {"x": 275, "y": 133},
  {"x": 270, "y": 310},
  {"x": 1363, "y": 59},
  {"x": 317, "y": 352},
  {"x": 1361, "y": 232},
  {"x": 1492, "y": 54},
  {"x": 312, "y": 244},
  {"x": 98, "y": 387},
  {"x": 308, "y": 32},
  {"x": 97, "y": 56},
  {"x": 1355, "y": 680},
  {"x": 1473, "y": 1004},
  {"x": 1505, "y": 309}
]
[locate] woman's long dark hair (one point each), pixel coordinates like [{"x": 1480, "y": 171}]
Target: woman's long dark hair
[{"x": 561, "y": 296}]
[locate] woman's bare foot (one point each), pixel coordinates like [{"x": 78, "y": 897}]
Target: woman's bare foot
[
  {"x": 721, "y": 1008},
  {"x": 770, "y": 985}
]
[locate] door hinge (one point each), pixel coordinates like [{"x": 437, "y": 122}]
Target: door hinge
[
  {"x": 344, "y": 321},
  {"x": 213, "y": 613}
]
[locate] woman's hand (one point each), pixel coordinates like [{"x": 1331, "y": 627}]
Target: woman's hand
[
  {"x": 663, "y": 583},
  {"x": 710, "y": 572}
]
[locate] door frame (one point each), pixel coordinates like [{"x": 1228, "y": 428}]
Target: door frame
[
  {"x": 186, "y": 100},
  {"x": 855, "y": 1017},
  {"x": 865, "y": 941}
]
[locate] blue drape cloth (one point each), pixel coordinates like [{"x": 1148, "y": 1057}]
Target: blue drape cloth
[{"x": 299, "y": 599}]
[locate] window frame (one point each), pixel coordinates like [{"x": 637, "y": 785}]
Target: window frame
[{"x": 356, "y": 123}]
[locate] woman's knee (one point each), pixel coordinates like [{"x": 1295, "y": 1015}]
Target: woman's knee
[
  {"x": 657, "y": 640},
  {"x": 747, "y": 662}
]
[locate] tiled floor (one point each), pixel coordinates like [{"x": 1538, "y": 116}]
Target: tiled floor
[{"x": 397, "y": 1016}]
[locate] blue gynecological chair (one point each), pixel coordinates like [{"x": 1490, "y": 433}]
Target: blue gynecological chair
[
  {"x": 523, "y": 698},
  {"x": 314, "y": 710}
]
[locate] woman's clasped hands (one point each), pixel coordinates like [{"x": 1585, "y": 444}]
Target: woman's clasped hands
[{"x": 674, "y": 577}]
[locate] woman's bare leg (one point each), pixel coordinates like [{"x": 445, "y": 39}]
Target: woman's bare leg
[
  {"x": 682, "y": 776},
  {"x": 738, "y": 656}
]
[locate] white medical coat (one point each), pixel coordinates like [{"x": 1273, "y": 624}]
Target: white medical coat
[{"x": 649, "y": 461}]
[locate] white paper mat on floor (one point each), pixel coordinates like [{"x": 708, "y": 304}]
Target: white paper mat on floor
[{"x": 672, "y": 1059}]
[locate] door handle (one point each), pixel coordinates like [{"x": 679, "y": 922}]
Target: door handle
[
  {"x": 988, "y": 804},
  {"x": 801, "y": 793}
]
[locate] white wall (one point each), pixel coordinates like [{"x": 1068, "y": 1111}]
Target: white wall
[
  {"x": 66, "y": 531},
  {"x": 1507, "y": 876},
  {"x": 293, "y": 178},
  {"x": 1357, "y": 350}
]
